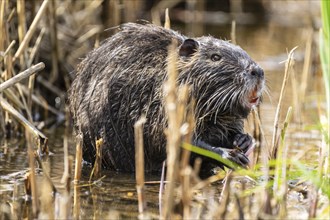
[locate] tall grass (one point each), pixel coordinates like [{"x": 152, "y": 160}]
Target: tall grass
[{"x": 325, "y": 56}]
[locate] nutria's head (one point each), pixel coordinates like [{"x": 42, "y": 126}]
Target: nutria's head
[{"x": 225, "y": 80}]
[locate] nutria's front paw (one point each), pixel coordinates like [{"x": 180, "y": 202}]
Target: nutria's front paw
[
  {"x": 234, "y": 155},
  {"x": 243, "y": 141},
  {"x": 239, "y": 158}
]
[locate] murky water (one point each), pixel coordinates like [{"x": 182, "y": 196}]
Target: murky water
[{"x": 115, "y": 193}]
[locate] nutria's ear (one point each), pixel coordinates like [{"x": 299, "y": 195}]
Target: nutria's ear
[{"x": 188, "y": 48}]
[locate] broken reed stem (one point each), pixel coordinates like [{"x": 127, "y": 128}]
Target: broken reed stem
[
  {"x": 11, "y": 45},
  {"x": 27, "y": 125},
  {"x": 139, "y": 163},
  {"x": 96, "y": 171},
  {"x": 167, "y": 23},
  {"x": 173, "y": 130},
  {"x": 288, "y": 65},
  {"x": 31, "y": 30},
  {"x": 280, "y": 185},
  {"x": 19, "y": 77},
  {"x": 78, "y": 161}
]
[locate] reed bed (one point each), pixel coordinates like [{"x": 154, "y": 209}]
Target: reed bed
[{"x": 36, "y": 58}]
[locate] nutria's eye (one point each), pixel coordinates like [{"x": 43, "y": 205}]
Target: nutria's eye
[{"x": 215, "y": 57}]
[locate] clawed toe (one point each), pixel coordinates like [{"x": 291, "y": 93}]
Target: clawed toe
[
  {"x": 239, "y": 158},
  {"x": 243, "y": 142}
]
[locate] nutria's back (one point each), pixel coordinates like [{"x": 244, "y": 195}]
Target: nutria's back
[{"x": 122, "y": 79}]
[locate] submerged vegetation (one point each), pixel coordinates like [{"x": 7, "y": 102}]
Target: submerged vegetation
[{"x": 40, "y": 44}]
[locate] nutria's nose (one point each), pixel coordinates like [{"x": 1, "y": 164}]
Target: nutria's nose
[{"x": 257, "y": 72}]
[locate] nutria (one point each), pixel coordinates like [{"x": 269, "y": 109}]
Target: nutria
[{"x": 123, "y": 79}]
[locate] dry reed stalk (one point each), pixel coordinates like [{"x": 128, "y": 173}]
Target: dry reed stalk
[
  {"x": 12, "y": 95},
  {"x": 96, "y": 171},
  {"x": 78, "y": 161},
  {"x": 266, "y": 151},
  {"x": 2, "y": 25},
  {"x": 36, "y": 47},
  {"x": 11, "y": 45},
  {"x": 92, "y": 32},
  {"x": 288, "y": 66},
  {"x": 224, "y": 198},
  {"x": 11, "y": 15},
  {"x": 30, "y": 91},
  {"x": 307, "y": 66},
  {"x": 199, "y": 17},
  {"x": 60, "y": 93},
  {"x": 264, "y": 196},
  {"x": 24, "y": 101},
  {"x": 161, "y": 5},
  {"x": 280, "y": 179},
  {"x": 27, "y": 125},
  {"x": 161, "y": 189},
  {"x": 257, "y": 136},
  {"x": 53, "y": 41},
  {"x": 19, "y": 77},
  {"x": 173, "y": 131},
  {"x": 76, "y": 202},
  {"x": 295, "y": 95},
  {"x": 233, "y": 32},
  {"x": 20, "y": 6},
  {"x": 186, "y": 191},
  {"x": 30, "y": 95},
  {"x": 167, "y": 23},
  {"x": 115, "y": 8},
  {"x": 67, "y": 166},
  {"x": 139, "y": 163},
  {"x": 187, "y": 130},
  {"x": 39, "y": 100},
  {"x": 31, "y": 30}
]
